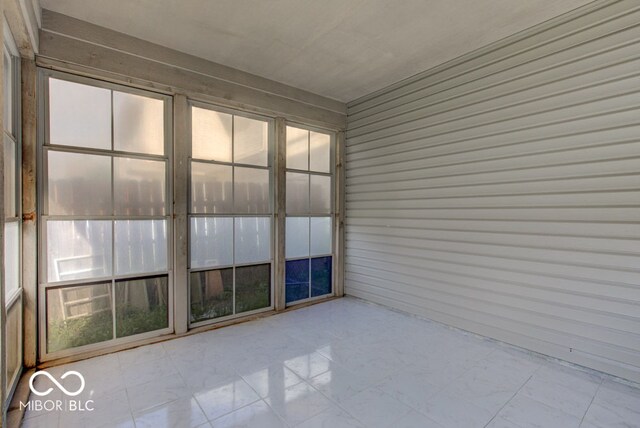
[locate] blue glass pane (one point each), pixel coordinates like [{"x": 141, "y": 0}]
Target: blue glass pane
[
  {"x": 320, "y": 276},
  {"x": 297, "y": 280}
]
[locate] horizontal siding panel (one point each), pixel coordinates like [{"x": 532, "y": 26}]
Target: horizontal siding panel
[
  {"x": 572, "y": 243},
  {"x": 597, "y": 274},
  {"x": 460, "y": 175},
  {"x": 587, "y": 324},
  {"x": 560, "y": 229},
  {"x": 472, "y": 150},
  {"x": 498, "y": 122},
  {"x": 616, "y": 299},
  {"x": 540, "y": 187},
  {"x": 500, "y": 193},
  {"x": 517, "y": 104},
  {"x": 565, "y": 78},
  {"x": 584, "y": 199},
  {"x": 407, "y": 247},
  {"x": 535, "y": 132}
]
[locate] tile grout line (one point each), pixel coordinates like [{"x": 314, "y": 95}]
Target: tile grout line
[
  {"x": 509, "y": 400},
  {"x": 591, "y": 402}
]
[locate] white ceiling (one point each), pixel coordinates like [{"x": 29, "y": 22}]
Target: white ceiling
[{"x": 342, "y": 49}]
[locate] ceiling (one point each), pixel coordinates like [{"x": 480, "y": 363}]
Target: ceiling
[{"x": 342, "y": 49}]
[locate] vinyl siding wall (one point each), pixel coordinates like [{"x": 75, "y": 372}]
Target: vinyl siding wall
[{"x": 500, "y": 192}]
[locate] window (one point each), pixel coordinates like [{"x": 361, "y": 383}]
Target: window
[
  {"x": 106, "y": 214},
  {"x": 231, "y": 214},
  {"x": 12, "y": 211},
  {"x": 308, "y": 234}
]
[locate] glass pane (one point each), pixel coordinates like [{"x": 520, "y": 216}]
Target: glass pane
[
  {"x": 320, "y": 147},
  {"x": 79, "y": 184},
  {"x": 320, "y": 194},
  {"x": 140, "y": 246},
  {"x": 297, "y": 148},
  {"x": 211, "y": 294},
  {"x": 320, "y": 236},
  {"x": 253, "y": 287},
  {"x": 141, "y": 305},
  {"x": 13, "y": 344},
  {"x": 138, "y": 124},
  {"x": 11, "y": 259},
  {"x": 211, "y": 188},
  {"x": 210, "y": 135},
  {"x": 251, "y": 191},
  {"x": 253, "y": 239},
  {"x": 78, "y": 316},
  {"x": 79, "y": 115},
  {"x": 297, "y": 193},
  {"x": 8, "y": 93},
  {"x": 139, "y": 187},
  {"x": 297, "y": 280},
  {"x": 250, "y": 141},
  {"x": 320, "y": 276},
  {"x": 211, "y": 241},
  {"x": 78, "y": 249},
  {"x": 297, "y": 237},
  {"x": 10, "y": 162}
]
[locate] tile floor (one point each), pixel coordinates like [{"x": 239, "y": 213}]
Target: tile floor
[{"x": 343, "y": 363}]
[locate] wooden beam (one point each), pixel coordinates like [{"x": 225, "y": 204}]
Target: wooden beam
[
  {"x": 29, "y": 86},
  {"x": 280, "y": 202},
  {"x": 63, "y": 52},
  {"x": 340, "y": 213},
  {"x": 181, "y": 141}
]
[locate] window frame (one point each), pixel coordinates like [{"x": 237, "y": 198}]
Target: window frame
[
  {"x": 271, "y": 164},
  {"x": 15, "y": 300},
  {"x": 310, "y": 214},
  {"x": 43, "y": 148}
]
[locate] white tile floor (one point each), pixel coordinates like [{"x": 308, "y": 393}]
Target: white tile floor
[{"x": 343, "y": 363}]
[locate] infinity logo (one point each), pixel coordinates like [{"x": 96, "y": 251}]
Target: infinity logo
[{"x": 52, "y": 379}]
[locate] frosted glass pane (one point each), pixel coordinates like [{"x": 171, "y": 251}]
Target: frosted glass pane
[
  {"x": 79, "y": 184},
  {"x": 139, "y": 186},
  {"x": 320, "y": 194},
  {"x": 320, "y": 157},
  {"x": 297, "y": 148},
  {"x": 253, "y": 239},
  {"x": 10, "y": 162},
  {"x": 250, "y": 141},
  {"x": 142, "y": 305},
  {"x": 320, "y": 236},
  {"x": 138, "y": 124},
  {"x": 140, "y": 246},
  {"x": 297, "y": 237},
  {"x": 79, "y": 115},
  {"x": 297, "y": 193},
  {"x": 251, "y": 191},
  {"x": 8, "y": 93},
  {"x": 210, "y": 135},
  {"x": 11, "y": 258},
  {"x": 211, "y": 241},
  {"x": 78, "y": 316},
  {"x": 211, "y": 188},
  {"x": 78, "y": 249}
]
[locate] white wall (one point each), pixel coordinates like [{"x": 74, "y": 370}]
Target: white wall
[{"x": 500, "y": 192}]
